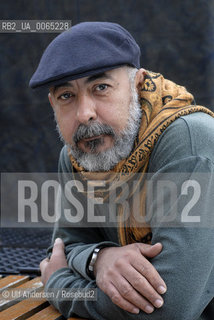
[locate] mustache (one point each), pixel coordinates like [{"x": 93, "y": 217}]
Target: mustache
[{"x": 93, "y": 129}]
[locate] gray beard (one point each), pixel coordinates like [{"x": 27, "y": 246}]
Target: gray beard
[{"x": 123, "y": 143}]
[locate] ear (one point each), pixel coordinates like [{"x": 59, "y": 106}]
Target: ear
[
  {"x": 50, "y": 100},
  {"x": 139, "y": 78}
]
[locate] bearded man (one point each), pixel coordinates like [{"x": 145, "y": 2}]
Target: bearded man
[{"x": 117, "y": 120}]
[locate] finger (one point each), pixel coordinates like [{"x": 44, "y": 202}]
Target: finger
[
  {"x": 146, "y": 269},
  {"x": 117, "y": 299},
  {"x": 150, "y": 251},
  {"x": 141, "y": 284},
  {"x": 43, "y": 264},
  {"x": 58, "y": 248},
  {"x": 129, "y": 293}
]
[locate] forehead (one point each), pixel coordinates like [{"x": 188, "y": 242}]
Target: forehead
[{"x": 112, "y": 75}]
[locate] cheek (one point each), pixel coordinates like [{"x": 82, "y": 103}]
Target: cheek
[
  {"x": 116, "y": 114},
  {"x": 122, "y": 114},
  {"x": 66, "y": 126}
]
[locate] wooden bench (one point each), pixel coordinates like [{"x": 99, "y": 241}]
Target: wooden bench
[{"x": 11, "y": 308}]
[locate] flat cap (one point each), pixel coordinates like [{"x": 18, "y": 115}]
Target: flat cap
[{"x": 85, "y": 49}]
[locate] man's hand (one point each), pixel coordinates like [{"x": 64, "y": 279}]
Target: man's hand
[
  {"x": 128, "y": 278},
  {"x": 57, "y": 261}
]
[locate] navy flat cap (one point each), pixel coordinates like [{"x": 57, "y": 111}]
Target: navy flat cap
[{"x": 85, "y": 49}]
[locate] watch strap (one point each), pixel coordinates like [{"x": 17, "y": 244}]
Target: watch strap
[{"x": 93, "y": 260}]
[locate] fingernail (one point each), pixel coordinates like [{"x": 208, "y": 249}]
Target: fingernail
[
  {"x": 158, "y": 303},
  {"x": 136, "y": 310},
  {"x": 149, "y": 309},
  {"x": 161, "y": 289},
  {"x": 58, "y": 240}
]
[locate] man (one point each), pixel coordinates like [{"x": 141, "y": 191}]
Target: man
[{"x": 118, "y": 119}]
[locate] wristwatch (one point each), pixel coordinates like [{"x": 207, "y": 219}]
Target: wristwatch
[{"x": 93, "y": 260}]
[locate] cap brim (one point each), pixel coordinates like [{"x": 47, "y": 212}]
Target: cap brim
[{"x": 51, "y": 82}]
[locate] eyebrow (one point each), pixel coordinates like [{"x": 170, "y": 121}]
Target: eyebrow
[
  {"x": 98, "y": 76},
  {"x": 88, "y": 80}
]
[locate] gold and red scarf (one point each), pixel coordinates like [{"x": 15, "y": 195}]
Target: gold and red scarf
[{"x": 162, "y": 102}]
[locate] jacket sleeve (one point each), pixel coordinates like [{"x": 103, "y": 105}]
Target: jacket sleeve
[
  {"x": 79, "y": 241},
  {"x": 187, "y": 259}
]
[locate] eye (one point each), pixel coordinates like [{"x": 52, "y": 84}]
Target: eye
[
  {"x": 65, "y": 96},
  {"x": 102, "y": 87}
]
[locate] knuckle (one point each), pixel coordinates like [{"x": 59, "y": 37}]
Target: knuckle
[
  {"x": 151, "y": 295},
  {"x": 115, "y": 298},
  {"x": 110, "y": 273},
  {"x": 136, "y": 246},
  {"x": 147, "y": 270},
  {"x": 137, "y": 282},
  {"x": 119, "y": 263},
  {"x": 152, "y": 276},
  {"x": 127, "y": 307},
  {"x": 126, "y": 291},
  {"x": 129, "y": 255}
]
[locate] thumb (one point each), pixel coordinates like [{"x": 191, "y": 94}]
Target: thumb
[
  {"x": 151, "y": 251},
  {"x": 58, "y": 248}
]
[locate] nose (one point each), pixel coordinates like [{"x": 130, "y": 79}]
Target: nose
[{"x": 86, "y": 109}]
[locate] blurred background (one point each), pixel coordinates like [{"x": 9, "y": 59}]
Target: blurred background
[{"x": 176, "y": 39}]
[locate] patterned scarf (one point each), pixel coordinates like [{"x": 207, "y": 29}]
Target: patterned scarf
[{"x": 162, "y": 102}]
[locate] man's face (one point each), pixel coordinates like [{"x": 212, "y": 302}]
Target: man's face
[
  {"x": 103, "y": 98},
  {"x": 93, "y": 112}
]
